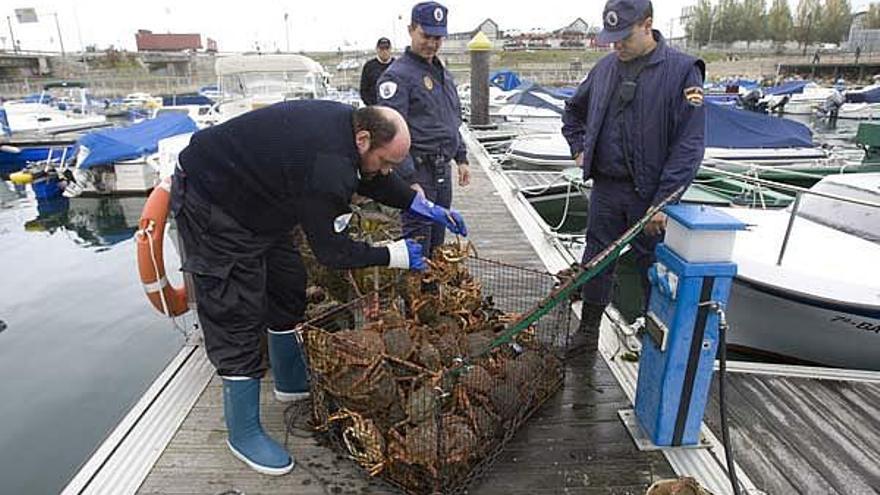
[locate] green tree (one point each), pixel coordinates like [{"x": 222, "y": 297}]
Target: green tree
[
  {"x": 872, "y": 19},
  {"x": 699, "y": 24},
  {"x": 779, "y": 22},
  {"x": 835, "y": 21},
  {"x": 754, "y": 20},
  {"x": 806, "y": 21},
  {"x": 729, "y": 21}
]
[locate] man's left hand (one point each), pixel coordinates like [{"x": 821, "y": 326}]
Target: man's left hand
[
  {"x": 464, "y": 174},
  {"x": 656, "y": 225}
]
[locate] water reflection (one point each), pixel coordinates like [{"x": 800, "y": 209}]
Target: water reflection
[{"x": 89, "y": 222}]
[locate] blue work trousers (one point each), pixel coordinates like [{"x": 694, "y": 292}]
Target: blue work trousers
[{"x": 614, "y": 208}]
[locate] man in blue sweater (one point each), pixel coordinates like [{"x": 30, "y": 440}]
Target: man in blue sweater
[{"x": 241, "y": 188}]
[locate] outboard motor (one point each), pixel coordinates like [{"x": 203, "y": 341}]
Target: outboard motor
[
  {"x": 751, "y": 101},
  {"x": 779, "y": 106},
  {"x": 830, "y": 108}
]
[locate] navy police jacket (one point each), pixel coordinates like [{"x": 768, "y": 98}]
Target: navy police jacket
[
  {"x": 288, "y": 164},
  {"x": 667, "y": 140},
  {"x": 425, "y": 95}
]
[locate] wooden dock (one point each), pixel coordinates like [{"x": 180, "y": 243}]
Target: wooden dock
[{"x": 574, "y": 444}]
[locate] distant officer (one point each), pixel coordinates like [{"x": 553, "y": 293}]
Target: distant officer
[
  {"x": 636, "y": 126},
  {"x": 241, "y": 188},
  {"x": 373, "y": 69},
  {"x": 423, "y": 91}
]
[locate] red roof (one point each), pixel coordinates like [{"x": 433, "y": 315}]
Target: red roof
[{"x": 147, "y": 41}]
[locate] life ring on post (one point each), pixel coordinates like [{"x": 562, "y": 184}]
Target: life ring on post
[{"x": 169, "y": 300}]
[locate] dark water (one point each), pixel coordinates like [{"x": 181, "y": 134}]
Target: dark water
[{"x": 80, "y": 344}]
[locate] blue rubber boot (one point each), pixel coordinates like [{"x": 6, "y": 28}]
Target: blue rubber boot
[
  {"x": 246, "y": 438},
  {"x": 288, "y": 366}
]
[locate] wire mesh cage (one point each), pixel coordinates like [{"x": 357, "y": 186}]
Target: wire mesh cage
[{"x": 424, "y": 382}]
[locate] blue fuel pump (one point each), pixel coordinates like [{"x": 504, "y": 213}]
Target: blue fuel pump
[{"x": 690, "y": 285}]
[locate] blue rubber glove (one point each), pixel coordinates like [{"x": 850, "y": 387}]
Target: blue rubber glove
[
  {"x": 450, "y": 219},
  {"x": 407, "y": 254}
]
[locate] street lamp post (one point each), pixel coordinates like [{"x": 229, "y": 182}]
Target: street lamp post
[
  {"x": 60, "y": 39},
  {"x": 11, "y": 34},
  {"x": 287, "y": 32}
]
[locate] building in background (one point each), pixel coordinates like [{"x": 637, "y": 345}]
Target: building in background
[{"x": 147, "y": 41}]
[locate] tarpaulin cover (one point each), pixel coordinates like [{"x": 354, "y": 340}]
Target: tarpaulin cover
[
  {"x": 527, "y": 95},
  {"x": 788, "y": 88},
  {"x": 870, "y": 96},
  {"x": 126, "y": 143},
  {"x": 505, "y": 80},
  {"x": 728, "y": 127}
]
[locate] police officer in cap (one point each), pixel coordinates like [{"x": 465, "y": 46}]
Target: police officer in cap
[
  {"x": 423, "y": 91},
  {"x": 635, "y": 125},
  {"x": 373, "y": 69},
  {"x": 241, "y": 188}
]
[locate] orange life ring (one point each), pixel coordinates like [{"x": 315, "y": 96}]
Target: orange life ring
[{"x": 169, "y": 300}]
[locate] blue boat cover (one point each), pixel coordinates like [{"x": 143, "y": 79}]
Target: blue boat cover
[
  {"x": 186, "y": 99},
  {"x": 788, "y": 88},
  {"x": 728, "y": 127},
  {"x": 505, "y": 80},
  {"x": 4, "y": 123},
  {"x": 126, "y": 143},
  {"x": 527, "y": 96},
  {"x": 869, "y": 96}
]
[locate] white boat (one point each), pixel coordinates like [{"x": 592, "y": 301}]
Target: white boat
[
  {"x": 821, "y": 304},
  {"x": 248, "y": 82},
  {"x": 804, "y": 103},
  {"x": 124, "y": 160},
  {"x": 61, "y": 107},
  {"x": 731, "y": 135},
  {"x": 551, "y": 151}
]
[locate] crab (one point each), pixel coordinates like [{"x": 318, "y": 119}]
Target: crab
[{"x": 364, "y": 441}]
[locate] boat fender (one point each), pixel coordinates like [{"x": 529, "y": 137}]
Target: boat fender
[
  {"x": 21, "y": 178},
  {"x": 169, "y": 300}
]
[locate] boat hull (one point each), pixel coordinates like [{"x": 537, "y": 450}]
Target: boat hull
[{"x": 801, "y": 329}]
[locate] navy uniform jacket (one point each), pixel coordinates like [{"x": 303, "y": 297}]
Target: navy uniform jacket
[
  {"x": 425, "y": 95},
  {"x": 665, "y": 120},
  {"x": 288, "y": 164}
]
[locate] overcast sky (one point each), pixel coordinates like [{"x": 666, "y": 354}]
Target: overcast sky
[{"x": 312, "y": 26}]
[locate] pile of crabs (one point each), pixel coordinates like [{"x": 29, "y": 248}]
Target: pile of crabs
[{"x": 424, "y": 389}]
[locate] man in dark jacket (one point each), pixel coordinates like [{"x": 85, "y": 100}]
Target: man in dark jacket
[
  {"x": 240, "y": 189},
  {"x": 373, "y": 69},
  {"x": 636, "y": 127}
]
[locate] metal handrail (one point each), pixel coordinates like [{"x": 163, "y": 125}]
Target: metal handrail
[{"x": 779, "y": 185}]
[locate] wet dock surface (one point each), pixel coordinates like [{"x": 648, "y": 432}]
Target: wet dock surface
[
  {"x": 574, "y": 443},
  {"x": 803, "y": 435}
]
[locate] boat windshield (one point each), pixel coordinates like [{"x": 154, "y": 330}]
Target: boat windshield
[
  {"x": 270, "y": 83},
  {"x": 856, "y": 219}
]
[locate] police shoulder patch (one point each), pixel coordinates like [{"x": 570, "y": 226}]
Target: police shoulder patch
[
  {"x": 694, "y": 96},
  {"x": 387, "y": 89}
]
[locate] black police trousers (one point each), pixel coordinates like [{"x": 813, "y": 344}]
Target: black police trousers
[
  {"x": 434, "y": 174},
  {"x": 244, "y": 282}
]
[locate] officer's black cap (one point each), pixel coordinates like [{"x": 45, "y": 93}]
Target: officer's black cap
[{"x": 619, "y": 17}]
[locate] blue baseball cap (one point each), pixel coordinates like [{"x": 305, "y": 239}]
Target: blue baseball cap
[
  {"x": 619, "y": 17},
  {"x": 431, "y": 16}
]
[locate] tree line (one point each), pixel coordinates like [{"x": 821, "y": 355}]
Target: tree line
[{"x": 813, "y": 21}]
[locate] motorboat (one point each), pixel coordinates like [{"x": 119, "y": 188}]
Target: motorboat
[
  {"x": 124, "y": 160},
  {"x": 806, "y": 286},
  {"x": 61, "y": 107},
  {"x": 251, "y": 81}
]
